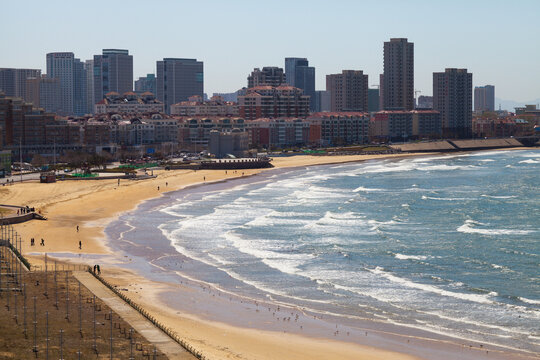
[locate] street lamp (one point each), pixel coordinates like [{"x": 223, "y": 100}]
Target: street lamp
[{"x": 20, "y": 157}]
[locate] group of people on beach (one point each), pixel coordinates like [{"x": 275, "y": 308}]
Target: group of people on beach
[
  {"x": 25, "y": 210},
  {"x": 33, "y": 242},
  {"x": 97, "y": 270}
]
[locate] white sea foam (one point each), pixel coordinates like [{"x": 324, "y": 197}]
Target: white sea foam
[
  {"x": 529, "y": 161},
  {"x": 444, "y": 167},
  {"x": 499, "y": 197},
  {"x": 424, "y": 197},
  {"x": 220, "y": 260},
  {"x": 478, "y": 298},
  {"x": 410, "y": 257},
  {"x": 284, "y": 262},
  {"x": 529, "y": 301},
  {"x": 469, "y": 228},
  {"x": 361, "y": 188},
  {"x": 486, "y": 160}
]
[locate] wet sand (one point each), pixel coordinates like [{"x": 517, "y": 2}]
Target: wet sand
[{"x": 220, "y": 326}]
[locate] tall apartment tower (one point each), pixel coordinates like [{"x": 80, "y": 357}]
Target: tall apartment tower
[
  {"x": 348, "y": 91},
  {"x": 452, "y": 97},
  {"x": 299, "y": 74},
  {"x": 113, "y": 71},
  {"x": 484, "y": 98},
  {"x": 269, "y": 76},
  {"x": 50, "y": 96},
  {"x": 60, "y": 65},
  {"x": 89, "y": 68},
  {"x": 178, "y": 79},
  {"x": 398, "y": 86}
]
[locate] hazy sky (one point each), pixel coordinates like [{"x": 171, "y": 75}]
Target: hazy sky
[{"x": 496, "y": 40}]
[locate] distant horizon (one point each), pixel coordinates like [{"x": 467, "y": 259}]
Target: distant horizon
[{"x": 236, "y": 37}]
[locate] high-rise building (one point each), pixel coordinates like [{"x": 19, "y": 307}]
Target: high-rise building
[
  {"x": 32, "y": 91},
  {"x": 322, "y": 101},
  {"x": 373, "y": 100},
  {"x": 50, "y": 96},
  {"x": 178, "y": 79},
  {"x": 146, "y": 84},
  {"x": 268, "y": 76},
  {"x": 484, "y": 98},
  {"x": 89, "y": 68},
  {"x": 452, "y": 97},
  {"x": 113, "y": 71},
  {"x": 79, "y": 88},
  {"x": 299, "y": 74},
  {"x": 398, "y": 80},
  {"x": 13, "y": 81},
  {"x": 60, "y": 65},
  {"x": 348, "y": 91}
]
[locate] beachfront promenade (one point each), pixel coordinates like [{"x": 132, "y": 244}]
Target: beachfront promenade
[{"x": 138, "y": 322}]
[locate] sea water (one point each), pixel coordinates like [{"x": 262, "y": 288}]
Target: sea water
[{"x": 449, "y": 244}]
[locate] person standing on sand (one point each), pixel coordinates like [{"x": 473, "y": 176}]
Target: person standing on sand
[
  {"x": 80, "y": 244},
  {"x": 77, "y": 228},
  {"x": 98, "y": 270},
  {"x": 158, "y": 188},
  {"x": 42, "y": 242}
]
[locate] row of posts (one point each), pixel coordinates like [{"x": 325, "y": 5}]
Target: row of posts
[{"x": 11, "y": 269}]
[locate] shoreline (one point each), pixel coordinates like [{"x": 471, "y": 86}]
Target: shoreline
[{"x": 95, "y": 240}]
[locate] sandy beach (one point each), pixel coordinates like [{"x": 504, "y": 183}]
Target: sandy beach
[{"x": 91, "y": 205}]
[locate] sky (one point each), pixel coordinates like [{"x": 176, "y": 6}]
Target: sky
[{"x": 496, "y": 40}]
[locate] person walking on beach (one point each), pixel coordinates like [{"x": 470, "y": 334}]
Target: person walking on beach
[
  {"x": 77, "y": 228},
  {"x": 80, "y": 244},
  {"x": 42, "y": 242},
  {"x": 98, "y": 270},
  {"x": 32, "y": 242},
  {"x": 158, "y": 188},
  {"x": 95, "y": 269},
  {"x": 204, "y": 178}
]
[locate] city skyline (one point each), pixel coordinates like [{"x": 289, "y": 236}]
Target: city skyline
[{"x": 469, "y": 35}]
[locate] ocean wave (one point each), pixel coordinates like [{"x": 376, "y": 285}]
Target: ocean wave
[
  {"x": 529, "y": 301},
  {"x": 499, "y": 197},
  {"x": 486, "y": 160},
  {"x": 444, "y": 167},
  {"x": 361, "y": 188},
  {"x": 410, "y": 257},
  {"x": 529, "y": 161},
  {"x": 284, "y": 262},
  {"x": 478, "y": 298},
  {"x": 424, "y": 197},
  {"x": 469, "y": 229}
]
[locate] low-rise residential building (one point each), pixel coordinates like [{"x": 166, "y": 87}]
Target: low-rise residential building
[
  {"x": 405, "y": 125},
  {"x": 195, "y": 106},
  {"x": 270, "y": 133},
  {"x": 194, "y": 133},
  {"x": 129, "y": 102},
  {"x": 339, "y": 128},
  {"x": 273, "y": 102},
  {"x": 230, "y": 142}
]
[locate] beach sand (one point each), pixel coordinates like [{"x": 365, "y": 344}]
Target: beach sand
[{"x": 91, "y": 205}]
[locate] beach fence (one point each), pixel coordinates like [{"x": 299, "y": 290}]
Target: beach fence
[
  {"x": 48, "y": 313},
  {"x": 167, "y": 330}
]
